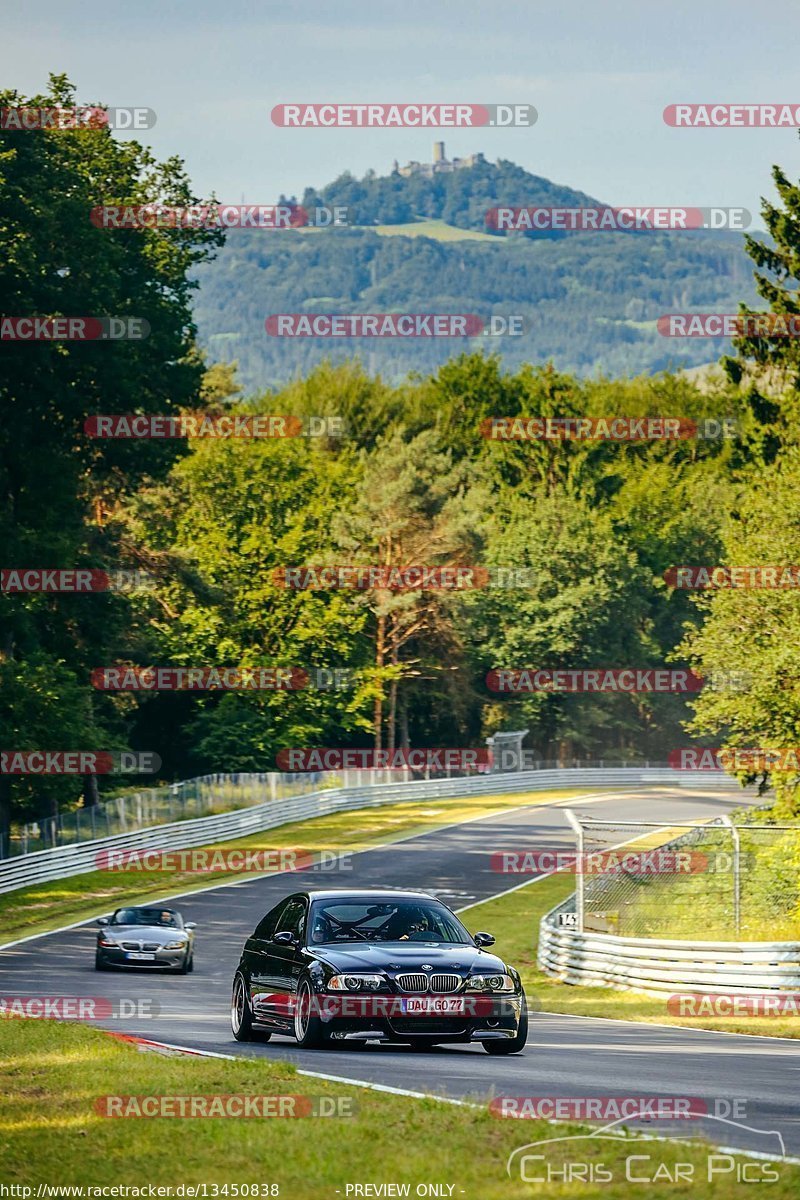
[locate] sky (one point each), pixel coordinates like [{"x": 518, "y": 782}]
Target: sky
[{"x": 599, "y": 75}]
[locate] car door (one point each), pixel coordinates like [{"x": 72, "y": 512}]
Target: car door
[
  {"x": 284, "y": 958},
  {"x": 256, "y": 961}
]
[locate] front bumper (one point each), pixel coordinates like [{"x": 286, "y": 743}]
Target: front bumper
[
  {"x": 383, "y": 1020},
  {"x": 116, "y": 956}
]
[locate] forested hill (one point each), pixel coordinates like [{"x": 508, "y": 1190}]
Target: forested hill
[
  {"x": 589, "y": 301},
  {"x": 461, "y": 198}
]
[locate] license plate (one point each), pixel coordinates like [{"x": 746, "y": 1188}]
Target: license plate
[
  {"x": 439, "y": 1006},
  {"x": 139, "y": 956}
]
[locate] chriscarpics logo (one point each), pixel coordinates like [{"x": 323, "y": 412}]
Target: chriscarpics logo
[{"x": 610, "y": 1155}]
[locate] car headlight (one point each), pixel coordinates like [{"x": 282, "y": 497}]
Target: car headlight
[
  {"x": 105, "y": 940},
  {"x": 355, "y": 983},
  {"x": 490, "y": 983},
  {"x": 181, "y": 945}
]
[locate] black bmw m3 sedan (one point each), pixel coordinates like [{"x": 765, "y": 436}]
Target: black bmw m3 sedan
[{"x": 385, "y": 966}]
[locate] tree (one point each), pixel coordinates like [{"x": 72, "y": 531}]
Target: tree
[
  {"x": 755, "y": 632},
  {"x": 59, "y": 488},
  {"x": 232, "y": 515},
  {"x": 408, "y": 512}
]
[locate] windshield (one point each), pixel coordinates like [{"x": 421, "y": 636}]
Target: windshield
[
  {"x": 148, "y": 916},
  {"x": 396, "y": 921}
]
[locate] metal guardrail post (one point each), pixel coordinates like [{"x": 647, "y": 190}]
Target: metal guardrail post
[
  {"x": 579, "y": 881},
  {"x": 737, "y": 871}
]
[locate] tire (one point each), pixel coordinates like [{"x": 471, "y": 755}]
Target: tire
[
  {"x": 187, "y": 965},
  {"x": 517, "y": 1043},
  {"x": 100, "y": 963},
  {"x": 309, "y": 1031},
  {"x": 241, "y": 1013}
]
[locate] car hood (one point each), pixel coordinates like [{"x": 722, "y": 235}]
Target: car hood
[
  {"x": 406, "y": 956},
  {"x": 145, "y": 933}
]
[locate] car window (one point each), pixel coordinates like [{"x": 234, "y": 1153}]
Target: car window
[
  {"x": 399, "y": 920},
  {"x": 165, "y": 917},
  {"x": 266, "y": 926},
  {"x": 291, "y": 919}
]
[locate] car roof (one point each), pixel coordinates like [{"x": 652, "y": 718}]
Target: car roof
[{"x": 366, "y": 894}]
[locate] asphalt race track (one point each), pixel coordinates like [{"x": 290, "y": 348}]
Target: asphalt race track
[{"x": 565, "y": 1056}]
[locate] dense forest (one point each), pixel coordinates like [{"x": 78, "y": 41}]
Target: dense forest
[{"x": 595, "y": 525}]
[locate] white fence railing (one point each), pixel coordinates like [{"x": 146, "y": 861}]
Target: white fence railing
[
  {"x": 62, "y": 861},
  {"x": 664, "y": 966}
]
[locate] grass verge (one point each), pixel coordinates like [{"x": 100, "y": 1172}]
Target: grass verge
[
  {"x": 52, "y": 1075},
  {"x": 47, "y": 906}
]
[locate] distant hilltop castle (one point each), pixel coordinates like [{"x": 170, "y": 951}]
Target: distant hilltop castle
[{"x": 441, "y": 165}]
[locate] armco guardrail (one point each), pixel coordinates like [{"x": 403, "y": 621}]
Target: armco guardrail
[
  {"x": 664, "y": 966},
  {"x": 58, "y": 863}
]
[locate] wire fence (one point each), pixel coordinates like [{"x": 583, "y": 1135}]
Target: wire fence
[
  {"x": 724, "y": 880},
  {"x": 210, "y": 794},
  {"x": 201, "y": 797}
]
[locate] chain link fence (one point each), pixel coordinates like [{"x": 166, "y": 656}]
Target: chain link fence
[
  {"x": 210, "y": 794},
  {"x": 201, "y": 797},
  {"x": 723, "y": 880}
]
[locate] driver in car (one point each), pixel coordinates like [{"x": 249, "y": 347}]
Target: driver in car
[
  {"x": 404, "y": 925},
  {"x": 321, "y": 931}
]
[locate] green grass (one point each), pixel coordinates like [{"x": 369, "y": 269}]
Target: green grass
[
  {"x": 51, "y": 1076},
  {"x": 433, "y": 228},
  {"x": 47, "y": 906},
  {"x": 514, "y": 920}
]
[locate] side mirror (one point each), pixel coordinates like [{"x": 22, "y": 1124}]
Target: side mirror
[
  {"x": 484, "y": 939},
  {"x": 190, "y": 925},
  {"x": 286, "y": 939},
  {"x": 102, "y": 921}
]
